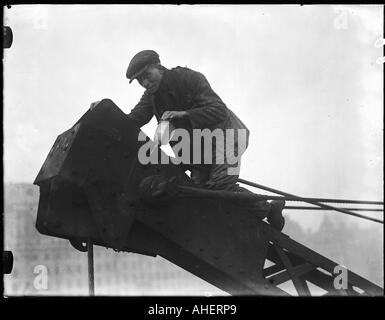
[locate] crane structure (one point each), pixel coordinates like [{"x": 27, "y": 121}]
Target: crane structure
[{"x": 94, "y": 190}]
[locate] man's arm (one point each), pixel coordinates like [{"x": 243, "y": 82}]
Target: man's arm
[
  {"x": 143, "y": 111},
  {"x": 207, "y": 108}
]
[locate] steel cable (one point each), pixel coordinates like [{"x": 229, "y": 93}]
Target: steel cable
[{"x": 322, "y": 205}]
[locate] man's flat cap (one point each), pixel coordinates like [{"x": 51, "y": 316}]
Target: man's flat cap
[{"x": 139, "y": 63}]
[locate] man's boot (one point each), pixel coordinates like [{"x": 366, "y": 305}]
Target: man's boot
[{"x": 275, "y": 217}]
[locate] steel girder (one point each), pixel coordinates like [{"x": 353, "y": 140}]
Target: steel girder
[{"x": 90, "y": 189}]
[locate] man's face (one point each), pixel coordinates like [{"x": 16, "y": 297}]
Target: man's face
[{"x": 150, "y": 78}]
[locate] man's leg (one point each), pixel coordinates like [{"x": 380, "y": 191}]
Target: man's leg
[{"x": 220, "y": 179}]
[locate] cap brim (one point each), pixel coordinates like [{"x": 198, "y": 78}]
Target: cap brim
[{"x": 135, "y": 75}]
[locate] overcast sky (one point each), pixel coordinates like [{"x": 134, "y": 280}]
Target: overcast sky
[{"x": 303, "y": 79}]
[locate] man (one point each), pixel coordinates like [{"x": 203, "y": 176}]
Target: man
[{"x": 185, "y": 98}]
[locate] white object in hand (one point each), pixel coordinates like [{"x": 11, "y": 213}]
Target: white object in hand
[{"x": 164, "y": 132}]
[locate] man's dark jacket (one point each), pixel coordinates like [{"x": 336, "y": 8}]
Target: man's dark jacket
[{"x": 182, "y": 89}]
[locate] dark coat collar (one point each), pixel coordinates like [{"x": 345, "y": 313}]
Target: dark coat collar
[{"x": 164, "y": 85}]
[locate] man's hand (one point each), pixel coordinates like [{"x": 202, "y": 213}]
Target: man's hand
[
  {"x": 168, "y": 115},
  {"x": 93, "y": 104}
]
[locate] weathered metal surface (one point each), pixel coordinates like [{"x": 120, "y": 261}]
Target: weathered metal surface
[
  {"x": 90, "y": 191},
  {"x": 160, "y": 190},
  {"x": 221, "y": 235}
]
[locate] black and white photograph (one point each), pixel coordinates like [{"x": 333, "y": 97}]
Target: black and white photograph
[{"x": 193, "y": 150}]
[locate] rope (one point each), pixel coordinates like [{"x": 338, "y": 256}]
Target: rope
[
  {"x": 315, "y": 208},
  {"x": 90, "y": 256},
  {"x": 305, "y": 199},
  {"x": 324, "y": 206}
]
